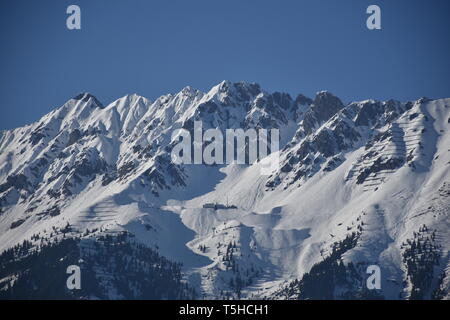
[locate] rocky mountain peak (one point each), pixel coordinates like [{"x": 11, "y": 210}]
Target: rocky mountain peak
[{"x": 86, "y": 96}]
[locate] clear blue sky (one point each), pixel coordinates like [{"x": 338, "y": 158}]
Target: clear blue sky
[{"x": 153, "y": 47}]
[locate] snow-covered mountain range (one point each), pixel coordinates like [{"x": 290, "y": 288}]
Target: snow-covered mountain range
[{"x": 364, "y": 183}]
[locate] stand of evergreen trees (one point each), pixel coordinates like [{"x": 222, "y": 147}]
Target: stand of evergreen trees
[
  {"x": 331, "y": 278},
  {"x": 112, "y": 267},
  {"x": 420, "y": 256}
]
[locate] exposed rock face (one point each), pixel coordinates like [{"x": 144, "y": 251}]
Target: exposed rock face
[
  {"x": 369, "y": 113},
  {"x": 325, "y": 106},
  {"x": 74, "y": 136},
  {"x": 379, "y": 165},
  {"x": 18, "y": 182},
  {"x": 85, "y": 97}
]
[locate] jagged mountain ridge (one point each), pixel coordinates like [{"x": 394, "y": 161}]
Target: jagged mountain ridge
[{"x": 108, "y": 168}]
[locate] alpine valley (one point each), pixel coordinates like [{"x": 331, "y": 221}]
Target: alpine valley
[{"x": 359, "y": 184}]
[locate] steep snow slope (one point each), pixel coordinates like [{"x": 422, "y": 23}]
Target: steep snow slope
[{"x": 380, "y": 169}]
